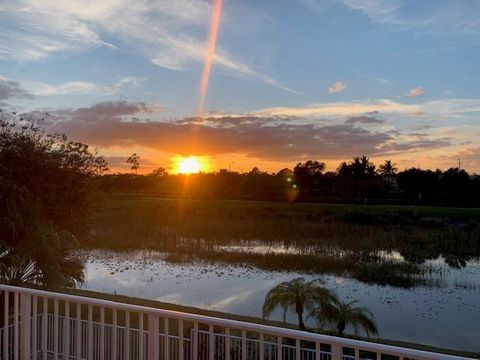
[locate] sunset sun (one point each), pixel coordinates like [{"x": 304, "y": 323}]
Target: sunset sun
[{"x": 189, "y": 165}]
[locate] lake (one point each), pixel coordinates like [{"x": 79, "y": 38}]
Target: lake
[{"x": 445, "y": 315}]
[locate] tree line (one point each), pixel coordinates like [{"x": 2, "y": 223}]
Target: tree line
[{"x": 356, "y": 181}]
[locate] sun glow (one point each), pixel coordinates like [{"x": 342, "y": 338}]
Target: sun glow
[{"x": 190, "y": 164}]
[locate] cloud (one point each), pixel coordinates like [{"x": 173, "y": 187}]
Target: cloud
[
  {"x": 29, "y": 89},
  {"x": 125, "y": 124},
  {"x": 12, "y": 89},
  {"x": 415, "y": 92},
  {"x": 338, "y": 87},
  {"x": 67, "y": 88},
  {"x": 169, "y": 33},
  {"x": 440, "y": 108},
  {"x": 414, "y": 145},
  {"x": 105, "y": 110},
  {"x": 432, "y": 16},
  {"x": 366, "y": 120},
  {"x": 341, "y": 109},
  {"x": 127, "y": 81}
]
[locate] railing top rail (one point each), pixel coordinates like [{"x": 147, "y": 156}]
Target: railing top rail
[{"x": 236, "y": 324}]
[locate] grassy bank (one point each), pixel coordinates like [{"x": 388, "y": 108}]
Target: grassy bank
[{"x": 341, "y": 239}]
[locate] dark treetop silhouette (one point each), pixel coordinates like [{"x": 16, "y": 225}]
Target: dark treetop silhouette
[{"x": 46, "y": 199}]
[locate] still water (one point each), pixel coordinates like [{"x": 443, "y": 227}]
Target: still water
[{"x": 447, "y": 315}]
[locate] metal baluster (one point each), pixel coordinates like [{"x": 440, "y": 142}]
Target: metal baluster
[
  {"x": 34, "y": 325},
  {"x": 114, "y": 334},
  {"x": 102, "y": 333},
  {"x": 15, "y": 326},
  {"x": 153, "y": 345},
  {"x": 211, "y": 342},
  {"x": 195, "y": 340},
  {"x": 78, "y": 333},
  {"x": 66, "y": 331},
  {"x": 262, "y": 347},
  {"x": 279, "y": 347},
  {"x": 244, "y": 345},
  {"x": 317, "y": 351},
  {"x": 227, "y": 343},
  {"x": 55, "y": 329},
  {"x": 181, "y": 350},
  {"x": 90, "y": 333},
  {"x": 297, "y": 349},
  {"x": 45, "y": 327},
  {"x": 126, "y": 337},
  {"x": 5, "y": 325},
  {"x": 166, "y": 339},
  {"x": 140, "y": 337},
  {"x": 25, "y": 328}
]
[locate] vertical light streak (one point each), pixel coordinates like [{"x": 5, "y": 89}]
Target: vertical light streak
[{"x": 210, "y": 54}]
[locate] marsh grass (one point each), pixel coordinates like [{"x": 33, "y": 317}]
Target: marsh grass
[{"x": 340, "y": 239}]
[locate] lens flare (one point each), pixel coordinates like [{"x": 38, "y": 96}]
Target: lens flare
[
  {"x": 190, "y": 164},
  {"x": 209, "y": 56}
]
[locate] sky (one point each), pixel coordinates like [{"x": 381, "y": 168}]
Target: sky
[{"x": 291, "y": 80}]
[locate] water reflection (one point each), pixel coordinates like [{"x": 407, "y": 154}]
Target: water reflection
[{"x": 445, "y": 316}]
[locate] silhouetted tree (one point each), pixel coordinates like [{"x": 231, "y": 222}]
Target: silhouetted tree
[
  {"x": 47, "y": 195},
  {"x": 359, "y": 168},
  {"x": 298, "y": 295},
  {"x": 342, "y": 314},
  {"x": 308, "y": 175},
  {"x": 134, "y": 161},
  {"x": 421, "y": 184},
  {"x": 159, "y": 172},
  {"x": 455, "y": 184},
  {"x": 388, "y": 170}
]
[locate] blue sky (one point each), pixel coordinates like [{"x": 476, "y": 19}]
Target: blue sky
[{"x": 323, "y": 79}]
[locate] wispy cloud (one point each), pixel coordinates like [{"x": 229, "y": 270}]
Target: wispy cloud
[
  {"x": 127, "y": 81},
  {"x": 341, "y": 109},
  {"x": 169, "y": 33},
  {"x": 432, "y": 16},
  {"x": 338, "y": 87},
  {"x": 68, "y": 88},
  {"x": 415, "y": 92},
  {"x": 441, "y": 107},
  {"x": 10, "y": 88}
]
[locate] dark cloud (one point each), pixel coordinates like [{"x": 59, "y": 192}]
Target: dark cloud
[
  {"x": 365, "y": 120},
  {"x": 415, "y": 145},
  {"x": 105, "y": 110},
  {"x": 420, "y": 135},
  {"x": 421, "y": 127},
  {"x": 226, "y": 121},
  {"x": 12, "y": 89},
  {"x": 117, "y": 123}
]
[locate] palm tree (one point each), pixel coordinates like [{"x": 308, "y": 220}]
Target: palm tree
[
  {"x": 299, "y": 295},
  {"x": 342, "y": 314},
  {"x": 388, "y": 169}
]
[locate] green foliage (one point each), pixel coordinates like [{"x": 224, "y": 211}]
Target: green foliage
[{"x": 46, "y": 201}]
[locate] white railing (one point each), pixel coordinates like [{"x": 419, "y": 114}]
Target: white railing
[{"x": 47, "y": 325}]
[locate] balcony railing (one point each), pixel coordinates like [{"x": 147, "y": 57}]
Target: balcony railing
[{"x": 47, "y": 325}]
